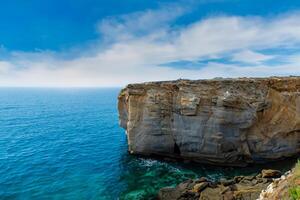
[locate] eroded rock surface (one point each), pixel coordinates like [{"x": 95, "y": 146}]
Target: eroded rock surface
[
  {"x": 238, "y": 188},
  {"x": 218, "y": 121},
  {"x": 278, "y": 189}
]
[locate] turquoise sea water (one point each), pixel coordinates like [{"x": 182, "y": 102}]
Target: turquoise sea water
[{"x": 66, "y": 144}]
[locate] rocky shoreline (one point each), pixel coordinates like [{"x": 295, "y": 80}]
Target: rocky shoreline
[
  {"x": 238, "y": 188},
  {"x": 227, "y": 122}
]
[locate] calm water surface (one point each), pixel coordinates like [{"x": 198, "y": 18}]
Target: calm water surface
[{"x": 66, "y": 144}]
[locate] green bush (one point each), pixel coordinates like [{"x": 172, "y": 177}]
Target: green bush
[
  {"x": 294, "y": 193},
  {"x": 294, "y": 190}
]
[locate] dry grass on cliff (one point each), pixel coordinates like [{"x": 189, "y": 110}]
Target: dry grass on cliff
[{"x": 294, "y": 183}]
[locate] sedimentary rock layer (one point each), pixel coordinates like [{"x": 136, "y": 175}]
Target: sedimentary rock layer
[{"x": 219, "y": 121}]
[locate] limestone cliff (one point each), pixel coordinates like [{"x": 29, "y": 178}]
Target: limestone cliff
[{"x": 218, "y": 121}]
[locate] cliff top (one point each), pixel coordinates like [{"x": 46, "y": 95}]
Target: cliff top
[
  {"x": 217, "y": 79},
  {"x": 288, "y": 83}
]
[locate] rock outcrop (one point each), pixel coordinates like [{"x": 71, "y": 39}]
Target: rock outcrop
[
  {"x": 278, "y": 189},
  {"x": 218, "y": 121},
  {"x": 285, "y": 187},
  {"x": 238, "y": 188}
]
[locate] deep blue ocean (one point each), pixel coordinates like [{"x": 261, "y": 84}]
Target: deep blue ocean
[{"x": 67, "y": 144}]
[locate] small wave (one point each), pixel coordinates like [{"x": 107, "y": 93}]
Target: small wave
[
  {"x": 156, "y": 163},
  {"x": 149, "y": 162},
  {"x": 9, "y": 108}
]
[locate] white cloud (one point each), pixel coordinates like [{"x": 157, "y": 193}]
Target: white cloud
[
  {"x": 5, "y": 67},
  {"x": 250, "y": 57},
  {"x": 139, "y": 24},
  {"x": 137, "y": 44}
]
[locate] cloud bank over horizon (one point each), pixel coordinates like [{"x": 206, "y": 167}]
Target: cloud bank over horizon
[{"x": 148, "y": 46}]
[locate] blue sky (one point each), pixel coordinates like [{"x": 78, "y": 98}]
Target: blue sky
[{"x": 97, "y": 43}]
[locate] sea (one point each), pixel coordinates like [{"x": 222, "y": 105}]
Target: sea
[{"x": 66, "y": 144}]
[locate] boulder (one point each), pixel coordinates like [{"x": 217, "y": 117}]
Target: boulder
[
  {"x": 200, "y": 186},
  {"x": 202, "y": 179},
  {"x": 270, "y": 173},
  {"x": 168, "y": 193}
]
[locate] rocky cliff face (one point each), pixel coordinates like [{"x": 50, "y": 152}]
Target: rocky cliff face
[{"x": 218, "y": 121}]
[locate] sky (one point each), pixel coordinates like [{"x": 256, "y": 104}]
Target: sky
[{"x": 111, "y": 43}]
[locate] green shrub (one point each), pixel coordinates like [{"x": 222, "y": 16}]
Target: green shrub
[
  {"x": 294, "y": 193},
  {"x": 294, "y": 190}
]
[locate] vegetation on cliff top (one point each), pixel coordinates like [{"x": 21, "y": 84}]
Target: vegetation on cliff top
[{"x": 294, "y": 184}]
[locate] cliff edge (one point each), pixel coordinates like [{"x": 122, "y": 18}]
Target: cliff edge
[{"x": 218, "y": 121}]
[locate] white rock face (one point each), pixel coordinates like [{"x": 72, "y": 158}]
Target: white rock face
[{"x": 227, "y": 121}]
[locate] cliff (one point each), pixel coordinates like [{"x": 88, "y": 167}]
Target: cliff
[{"x": 218, "y": 121}]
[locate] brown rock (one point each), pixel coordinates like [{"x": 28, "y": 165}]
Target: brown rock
[
  {"x": 200, "y": 186},
  {"x": 229, "y": 195},
  {"x": 249, "y": 178},
  {"x": 168, "y": 194},
  {"x": 250, "y": 194},
  {"x": 226, "y": 189},
  {"x": 237, "y": 179},
  {"x": 186, "y": 185},
  {"x": 211, "y": 194},
  {"x": 259, "y": 175},
  {"x": 270, "y": 173},
  {"x": 200, "y": 180},
  {"x": 226, "y": 182},
  {"x": 190, "y": 195},
  {"x": 254, "y": 181}
]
